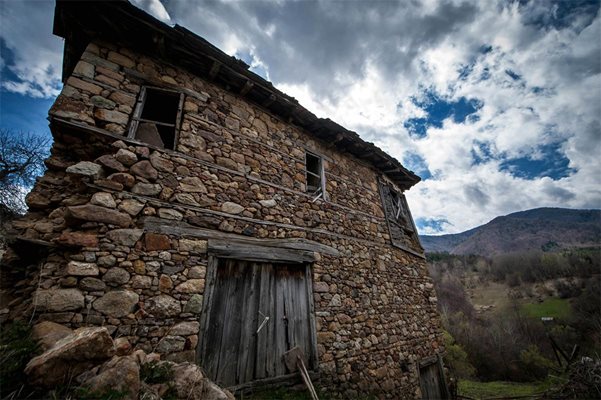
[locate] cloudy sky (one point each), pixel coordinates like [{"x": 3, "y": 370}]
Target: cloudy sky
[{"x": 495, "y": 104}]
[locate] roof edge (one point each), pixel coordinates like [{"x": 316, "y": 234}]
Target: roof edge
[{"x": 122, "y": 23}]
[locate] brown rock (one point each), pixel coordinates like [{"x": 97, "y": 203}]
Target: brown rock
[
  {"x": 114, "y": 116},
  {"x": 86, "y": 168},
  {"x": 89, "y": 212},
  {"x": 188, "y": 381},
  {"x": 125, "y": 237},
  {"x": 165, "y": 284},
  {"x": 117, "y": 303},
  {"x": 123, "y": 98},
  {"x": 226, "y": 162},
  {"x": 57, "y": 300},
  {"x": 70, "y": 356},
  {"x": 103, "y": 199},
  {"x": 77, "y": 268},
  {"x": 47, "y": 333},
  {"x": 110, "y": 162},
  {"x": 147, "y": 189},
  {"x": 193, "y": 245},
  {"x": 192, "y": 184},
  {"x": 155, "y": 241},
  {"x": 191, "y": 286},
  {"x": 83, "y": 85},
  {"x": 163, "y": 306},
  {"x": 139, "y": 267},
  {"x": 37, "y": 200},
  {"x": 122, "y": 346},
  {"x": 120, "y": 59},
  {"x": 123, "y": 178},
  {"x": 120, "y": 374},
  {"x": 108, "y": 184},
  {"x": 132, "y": 207},
  {"x": 126, "y": 157},
  {"x": 160, "y": 163},
  {"x": 78, "y": 239},
  {"x": 213, "y": 392},
  {"x": 145, "y": 170}
]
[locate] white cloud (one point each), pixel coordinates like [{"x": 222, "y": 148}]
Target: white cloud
[
  {"x": 154, "y": 8},
  {"x": 362, "y": 63},
  {"x": 36, "y": 55}
]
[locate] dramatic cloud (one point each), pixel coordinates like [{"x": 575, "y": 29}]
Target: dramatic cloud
[
  {"x": 31, "y": 55},
  {"x": 496, "y": 104}
]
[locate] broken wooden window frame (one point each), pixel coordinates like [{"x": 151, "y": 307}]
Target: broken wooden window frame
[
  {"x": 139, "y": 109},
  {"x": 399, "y": 219},
  {"x": 318, "y": 191}
]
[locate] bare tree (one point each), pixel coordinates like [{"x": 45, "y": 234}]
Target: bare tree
[{"x": 21, "y": 162}]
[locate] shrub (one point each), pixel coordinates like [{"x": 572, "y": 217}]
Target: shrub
[
  {"x": 534, "y": 363},
  {"x": 17, "y": 347},
  {"x": 456, "y": 358}
]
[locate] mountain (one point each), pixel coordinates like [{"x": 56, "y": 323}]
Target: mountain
[{"x": 537, "y": 229}]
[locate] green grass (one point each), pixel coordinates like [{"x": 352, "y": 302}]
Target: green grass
[
  {"x": 287, "y": 394},
  {"x": 551, "y": 307},
  {"x": 483, "y": 390}
]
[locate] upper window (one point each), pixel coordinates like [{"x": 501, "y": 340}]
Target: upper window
[
  {"x": 315, "y": 175},
  {"x": 156, "y": 118},
  {"x": 400, "y": 223}
]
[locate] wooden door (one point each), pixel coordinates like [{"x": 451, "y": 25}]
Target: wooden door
[
  {"x": 255, "y": 312},
  {"x": 431, "y": 382}
]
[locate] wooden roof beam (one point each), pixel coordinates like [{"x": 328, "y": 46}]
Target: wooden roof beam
[
  {"x": 269, "y": 100},
  {"x": 214, "y": 69},
  {"x": 248, "y": 85}
]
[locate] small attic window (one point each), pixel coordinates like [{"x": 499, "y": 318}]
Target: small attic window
[
  {"x": 401, "y": 227},
  {"x": 314, "y": 174},
  {"x": 156, "y": 118}
]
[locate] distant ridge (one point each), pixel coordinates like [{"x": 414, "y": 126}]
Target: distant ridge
[{"x": 546, "y": 229}]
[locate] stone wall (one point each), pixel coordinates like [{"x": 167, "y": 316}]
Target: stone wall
[{"x": 236, "y": 169}]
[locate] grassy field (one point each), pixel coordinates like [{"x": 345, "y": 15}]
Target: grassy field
[
  {"x": 551, "y": 307},
  {"x": 483, "y": 390}
]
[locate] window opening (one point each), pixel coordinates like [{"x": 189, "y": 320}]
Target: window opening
[
  {"x": 398, "y": 217},
  {"x": 314, "y": 175},
  {"x": 156, "y": 117}
]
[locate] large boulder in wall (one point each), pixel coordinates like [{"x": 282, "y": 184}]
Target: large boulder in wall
[{"x": 70, "y": 356}]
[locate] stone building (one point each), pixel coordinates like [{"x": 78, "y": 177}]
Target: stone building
[{"x": 201, "y": 213}]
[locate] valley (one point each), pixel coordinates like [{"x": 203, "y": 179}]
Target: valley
[{"x": 510, "y": 313}]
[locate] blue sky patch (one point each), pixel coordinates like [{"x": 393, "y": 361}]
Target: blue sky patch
[
  {"x": 439, "y": 109},
  {"x": 417, "y": 164},
  {"x": 24, "y": 114},
  {"x": 561, "y": 14},
  {"x": 248, "y": 58},
  {"x": 481, "y": 153},
  {"x": 513, "y": 75},
  {"x": 432, "y": 224},
  {"x": 548, "y": 160}
]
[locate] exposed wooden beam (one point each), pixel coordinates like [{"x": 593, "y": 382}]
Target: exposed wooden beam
[
  {"x": 269, "y": 100},
  {"x": 248, "y": 85},
  {"x": 214, "y": 69}
]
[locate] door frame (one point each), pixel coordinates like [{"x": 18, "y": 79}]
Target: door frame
[
  {"x": 219, "y": 249},
  {"x": 427, "y": 362}
]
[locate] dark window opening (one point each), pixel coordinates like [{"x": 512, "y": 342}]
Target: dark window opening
[
  {"x": 314, "y": 172},
  {"x": 156, "y": 117},
  {"x": 400, "y": 223}
]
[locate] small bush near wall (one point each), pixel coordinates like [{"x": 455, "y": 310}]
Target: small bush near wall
[{"x": 17, "y": 347}]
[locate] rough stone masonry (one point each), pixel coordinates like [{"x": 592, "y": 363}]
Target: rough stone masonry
[{"x": 122, "y": 228}]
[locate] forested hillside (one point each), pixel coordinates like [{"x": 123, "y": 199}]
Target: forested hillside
[
  {"x": 520, "y": 298},
  {"x": 546, "y": 229}
]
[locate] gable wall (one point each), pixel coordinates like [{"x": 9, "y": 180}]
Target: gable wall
[{"x": 375, "y": 304}]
